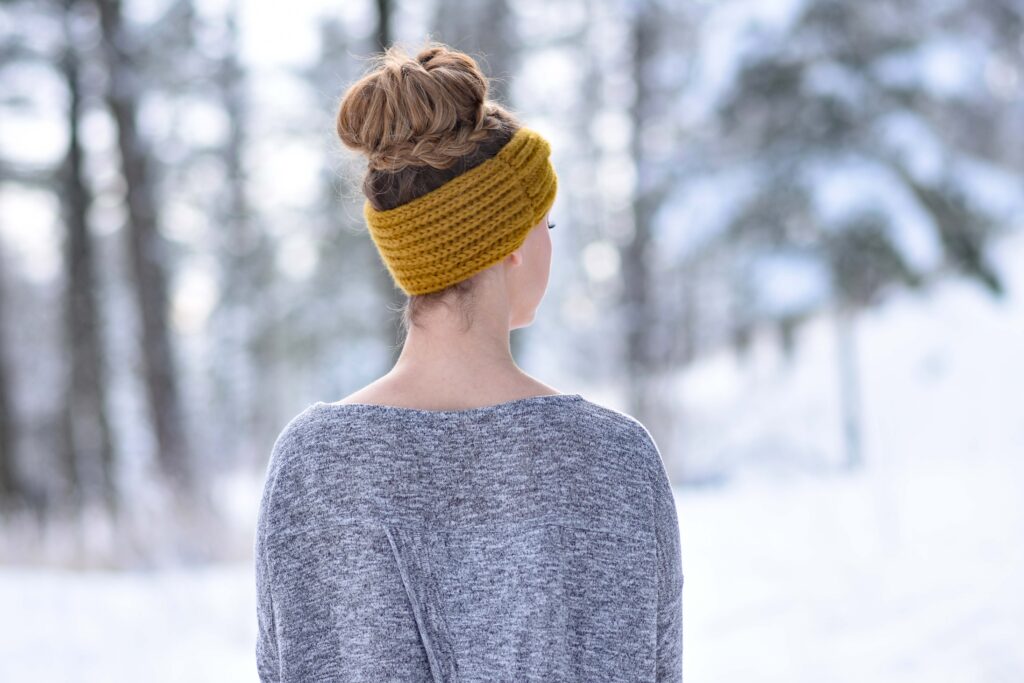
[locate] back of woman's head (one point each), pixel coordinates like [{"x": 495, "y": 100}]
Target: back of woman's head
[{"x": 420, "y": 121}]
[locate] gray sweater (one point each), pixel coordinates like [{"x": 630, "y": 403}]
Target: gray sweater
[{"x": 532, "y": 540}]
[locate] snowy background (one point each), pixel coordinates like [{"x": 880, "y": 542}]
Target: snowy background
[
  {"x": 908, "y": 571},
  {"x": 828, "y": 352}
]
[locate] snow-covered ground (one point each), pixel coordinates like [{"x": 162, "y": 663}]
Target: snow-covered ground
[
  {"x": 102, "y": 626},
  {"x": 908, "y": 571}
]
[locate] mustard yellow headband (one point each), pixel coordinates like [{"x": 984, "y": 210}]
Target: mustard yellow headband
[{"x": 471, "y": 222}]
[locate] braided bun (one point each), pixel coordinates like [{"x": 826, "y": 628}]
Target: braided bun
[{"x": 428, "y": 110}]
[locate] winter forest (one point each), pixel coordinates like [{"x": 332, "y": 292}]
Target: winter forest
[{"x": 790, "y": 242}]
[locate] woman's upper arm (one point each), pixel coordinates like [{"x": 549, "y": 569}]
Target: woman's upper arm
[
  {"x": 669, "y": 664},
  {"x": 267, "y": 658}
]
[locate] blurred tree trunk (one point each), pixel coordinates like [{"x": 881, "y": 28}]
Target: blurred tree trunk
[
  {"x": 147, "y": 252},
  {"x": 87, "y": 440},
  {"x": 486, "y": 32},
  {"x": 845, "y": 319},
  {"x": 10, "y": 492},
  {"x": 651, "y": 318},
  {"x": 394, "y": 298},
  {"x": 233, "y": 320},
  {"x": 635, "y": 280},
  {"x": 636, "y": 302}
]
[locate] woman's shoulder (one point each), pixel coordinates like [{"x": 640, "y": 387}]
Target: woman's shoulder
[
  {"x": 568, "y": 418},
  {"x": 618, "y": 424},
  {"x": 298, "y": 427},
  {"x": 585, "y": 413}
]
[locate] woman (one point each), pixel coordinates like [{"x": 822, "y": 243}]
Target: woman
[{"x": 457, "y": 519}]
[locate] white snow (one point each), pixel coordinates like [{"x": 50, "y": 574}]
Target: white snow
[{"x": 907, "y": 571}]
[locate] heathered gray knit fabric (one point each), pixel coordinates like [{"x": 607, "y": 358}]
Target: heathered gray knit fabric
[{"x": 532, "y": 540}]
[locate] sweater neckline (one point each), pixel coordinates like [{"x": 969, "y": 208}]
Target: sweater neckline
[{"x": 478, "y": 410}]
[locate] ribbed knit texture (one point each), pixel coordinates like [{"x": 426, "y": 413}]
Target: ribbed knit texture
[{"x": 471, "y": 222}]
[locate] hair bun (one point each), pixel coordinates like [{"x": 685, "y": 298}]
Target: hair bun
[{"x": 431, "y": 109}]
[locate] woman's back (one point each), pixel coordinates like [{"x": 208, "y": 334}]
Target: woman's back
[{"x": 535, "y": 539}]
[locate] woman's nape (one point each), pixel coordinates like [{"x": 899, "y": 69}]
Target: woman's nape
[{"x": 451, "y": 360}]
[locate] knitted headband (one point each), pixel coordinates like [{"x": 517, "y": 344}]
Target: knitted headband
[{"x": 470, "y": 222}]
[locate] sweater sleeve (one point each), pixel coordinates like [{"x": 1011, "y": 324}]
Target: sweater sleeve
[
  {"x": 669, "y": 666},
  {"x": 267, "y": 660}
]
